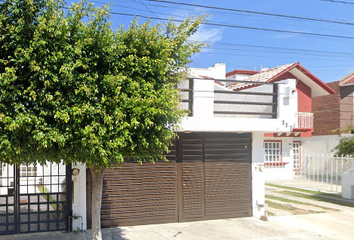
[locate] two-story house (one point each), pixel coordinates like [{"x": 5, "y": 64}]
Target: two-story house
[
  {"x": 283, "y": 150},
  {"x": 215, "y": 168}
]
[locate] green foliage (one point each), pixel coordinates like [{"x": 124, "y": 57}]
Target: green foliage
[
  {"x": 345, "y": 147},
  {"x": 72, "y": 88}
]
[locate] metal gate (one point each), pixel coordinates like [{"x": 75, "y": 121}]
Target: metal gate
[
  {"x": 215, "y": 176},
  {"x": 34, "y": 198},
  {"x": 208, "y": 176}
]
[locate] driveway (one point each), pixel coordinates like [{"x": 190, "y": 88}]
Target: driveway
[
  {"x": 322, "y": 226},
  {"x": 335, "y": 222},
  {"x": 326, "y": 226}
]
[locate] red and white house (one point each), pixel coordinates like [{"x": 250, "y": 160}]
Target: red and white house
[{"x": 282, "y": 151}]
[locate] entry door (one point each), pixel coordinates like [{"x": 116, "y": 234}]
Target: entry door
[
  {"x": 297, "y": 157},
  {"x": 34, "y": 198},
  {"x": 215, "y": 176}
]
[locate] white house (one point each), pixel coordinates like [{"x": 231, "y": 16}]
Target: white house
[{"x": 215, "y": 169}]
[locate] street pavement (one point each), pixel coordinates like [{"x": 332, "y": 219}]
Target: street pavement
[
  {"x": 337, "y": 223},
  {"x": 322, "y": 226}
]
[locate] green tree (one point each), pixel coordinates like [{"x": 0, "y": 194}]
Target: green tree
[
  {"x": 345, "y": 147},
  {"x": 74, "y": 89}
]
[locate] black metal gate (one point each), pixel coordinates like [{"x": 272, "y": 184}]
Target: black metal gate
[{"x": 34, "y": 198}]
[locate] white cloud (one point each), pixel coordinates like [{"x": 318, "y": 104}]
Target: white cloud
[{"x": 210, "y": 35}]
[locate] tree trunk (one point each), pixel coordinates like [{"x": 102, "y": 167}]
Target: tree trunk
[{"x": 97, "y": 185}]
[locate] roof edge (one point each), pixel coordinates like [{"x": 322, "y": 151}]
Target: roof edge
[
  {"x": 315, "y": 79},
  {"x": 240, "y": 71}
]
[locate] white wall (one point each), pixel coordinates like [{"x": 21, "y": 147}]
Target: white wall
[
  {"x": 203, "y": 108},
  {"x": 258, "y": 191},
  {"x": 239, "y": 76},
  {"x": 217, "y": 71},
  {"x": 320, "y": 144},
  {"x": 79, "y": 198}
]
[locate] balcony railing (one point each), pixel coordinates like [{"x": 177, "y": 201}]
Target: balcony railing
[
  {"x": 304, "y": 120},
  {"x": 256, "y": 100},
  {"x": 186, "y": 89}
]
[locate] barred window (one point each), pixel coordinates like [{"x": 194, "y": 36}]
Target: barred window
[{"x": 272, "y": 151}]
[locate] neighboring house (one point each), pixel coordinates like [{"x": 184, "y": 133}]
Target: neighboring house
[
  {"x": 331, "y": 113},
  {"x": 335, "y": 111},
  {"x": 215, "y": 168},
  {"x": 283, "y": 150}
]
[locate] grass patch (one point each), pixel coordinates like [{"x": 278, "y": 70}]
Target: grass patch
[
  {"x": 289, "y": 208},
  {"x": 317, "y": 197},
  {"x": 47, "y": 197},
  {"x": 305, "y": 190},
  {"x": 286, "y": 200}
]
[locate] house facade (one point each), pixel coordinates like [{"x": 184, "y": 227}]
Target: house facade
[
  {"x": 283, "y": 151},
  {"x": 332, "y": 113},
  {"x": 335, "y": 111},
  {"x": 215, "y": 168}
]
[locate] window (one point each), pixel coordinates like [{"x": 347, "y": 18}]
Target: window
[
  {"x": 272, "y": 151},
  {"x": 28, "y": 171},
  {"x": 296, "y": 153}
]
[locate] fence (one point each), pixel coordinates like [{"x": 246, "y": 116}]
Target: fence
[{"x": 319, "y": 172}]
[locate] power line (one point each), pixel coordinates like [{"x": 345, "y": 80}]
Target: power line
[
  {"x": 258, "y": 13},
  {"x": 277, "y": 51},
  {"x": 350, "y": 54},
  {"x": 254, "y": 54},
  {"x": 336, "y": 1},
  {"x": 245, "y": 27},
  {"x": 148, "y": 8}
]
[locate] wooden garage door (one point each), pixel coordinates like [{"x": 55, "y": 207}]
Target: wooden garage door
[
  {"x": 215, "y": 176},
  {"x": 208, "y": 176}
]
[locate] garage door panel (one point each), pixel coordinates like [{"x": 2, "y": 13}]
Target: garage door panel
[
  {"x": 140, "y": 193},
  {"x": 225, "y": 179}
]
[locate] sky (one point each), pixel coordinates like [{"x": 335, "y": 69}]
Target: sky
[{"x": 251, "y": 35}]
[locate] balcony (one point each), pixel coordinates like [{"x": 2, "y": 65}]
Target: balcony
[
  {"x": 304, "y": 120},
  {"x": 250, "y": 106}
]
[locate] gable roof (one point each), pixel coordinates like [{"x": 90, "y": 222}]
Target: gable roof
[
  {"x": 349, "y": 79},
  {"x": 317, "y": 86}
]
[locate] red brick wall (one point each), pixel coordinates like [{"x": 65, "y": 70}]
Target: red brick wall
[
  {"x": 346, "y": 106},
  {"x": 326, "y": 111}
]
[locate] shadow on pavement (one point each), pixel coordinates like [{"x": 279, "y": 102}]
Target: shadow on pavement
[{"x": 108, "y": 234}]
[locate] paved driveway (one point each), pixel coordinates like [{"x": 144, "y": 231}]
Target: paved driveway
[
  {"x": 337, "y": 223},
  {"x": 322, "y": 226},
  {"x": 329, "y": 226}
]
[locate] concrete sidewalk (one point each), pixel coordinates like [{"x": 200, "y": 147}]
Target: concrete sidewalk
[{"x": 324, "y": 226}]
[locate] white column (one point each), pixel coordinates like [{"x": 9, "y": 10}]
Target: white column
[
  {"x": 258, "y": 184},
  {"x": 203, "y": 98},
  {"x": 79, "y": 198}
]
